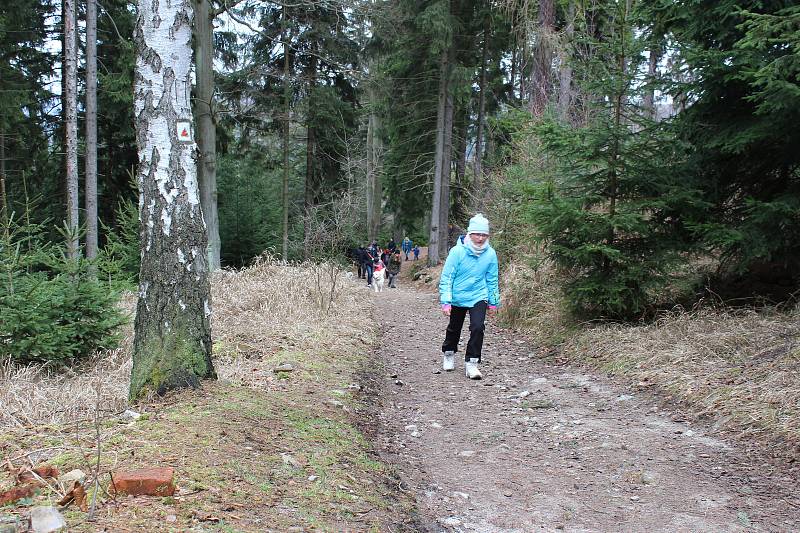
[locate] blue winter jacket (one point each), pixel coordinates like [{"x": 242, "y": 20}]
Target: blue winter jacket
[{"x": 468, "y": 278}]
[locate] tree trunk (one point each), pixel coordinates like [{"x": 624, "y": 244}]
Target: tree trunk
[
  {"x": 287, "y": 98},
  {"x": 91, "y": 129},
  {"x": 374, "y": 186},
  {"x": 649, "y": 101},
  {"x": 458, "y": 194},
  {"x": 543, "y": 60},
  {"x": 310, "y": 199},
  {"x": 172, "y": 339},
  {"x": 206, "y": 129},
  {"x": 447, "y": 160},
  {"x": 438, "y": 172},
  {"x": 564, "y": 69},
  {"x": 71, "y": 125},
  {"x": 477, "y": 159}
]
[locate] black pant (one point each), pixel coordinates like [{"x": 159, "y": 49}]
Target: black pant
[{"x": 477, "y": 325}]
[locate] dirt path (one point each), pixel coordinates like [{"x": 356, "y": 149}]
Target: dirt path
[{"x": 536, "y": 447}]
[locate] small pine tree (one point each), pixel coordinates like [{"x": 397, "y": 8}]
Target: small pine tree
[{"x": 52, "y": 308}]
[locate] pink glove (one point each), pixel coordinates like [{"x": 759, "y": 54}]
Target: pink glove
[
  {"x": 446, "y": 307},
  {"x": 493, "y": 307}
]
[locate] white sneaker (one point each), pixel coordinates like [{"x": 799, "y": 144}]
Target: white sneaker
[
  {"x": 471, "y": 369},
  {"x": 449, "y": 362}
]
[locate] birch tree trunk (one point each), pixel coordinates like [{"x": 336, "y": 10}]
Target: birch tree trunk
[
  {"x": 206, "y": 129},
  {"x": 91, "y": 129},
  {"x": 438, "y": 172},
  {"x": 70, "y": 73},
  {"x": 172, "y": 341}
]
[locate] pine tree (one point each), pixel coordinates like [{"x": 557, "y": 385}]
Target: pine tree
[{"x": 613, "y": 207}]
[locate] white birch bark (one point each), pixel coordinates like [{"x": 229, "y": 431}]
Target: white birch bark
[{"x": 172, "y": 342}]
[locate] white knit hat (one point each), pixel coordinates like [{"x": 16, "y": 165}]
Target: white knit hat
[{"x": 478, "y": 224}]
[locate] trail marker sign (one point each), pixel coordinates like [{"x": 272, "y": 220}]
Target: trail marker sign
[{"x": 184, "y": 131}]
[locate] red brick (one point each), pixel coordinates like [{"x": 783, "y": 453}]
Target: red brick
[{"x": 145, "y": 481}]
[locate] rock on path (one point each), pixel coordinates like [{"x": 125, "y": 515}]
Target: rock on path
[{"x": 536, "y": 447}]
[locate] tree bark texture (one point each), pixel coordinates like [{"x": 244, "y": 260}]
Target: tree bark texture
[
  {"x": 541, "y": 83},
  {"x": 90, "y": 200},
  {"x": 438, "y": 171},
  {"x": 172, "y": 342},
  {"x": 71, "y": 125},
  {"x": 311, "y": 150},
  {"x": 447, "y": 161},
  {"x": 206, "y": 128},
  {"x": 374, "y": 185}
]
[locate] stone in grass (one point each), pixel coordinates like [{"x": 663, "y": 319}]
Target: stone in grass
[
  {"x": 283, "y": 367},
  {"x": 144, "y": 482},
  {"x": 69, "y": 479},
  {"x": 46, "y": 519}
]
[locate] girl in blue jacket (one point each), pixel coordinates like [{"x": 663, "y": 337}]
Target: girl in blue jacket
[{"x": 469, "y": 285}]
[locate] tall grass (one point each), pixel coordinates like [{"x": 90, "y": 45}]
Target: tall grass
[{"x": 267, "y": 309}]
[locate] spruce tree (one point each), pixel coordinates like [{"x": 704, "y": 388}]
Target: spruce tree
[{"x": 613, "y": 205}]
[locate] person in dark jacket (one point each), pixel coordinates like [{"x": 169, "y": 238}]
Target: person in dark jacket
[
  {"x": 394, "y": 268},
  {"x": 370, "y": 258}
]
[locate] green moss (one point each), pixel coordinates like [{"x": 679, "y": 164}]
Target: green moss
[{"x": 168, "y": 362}]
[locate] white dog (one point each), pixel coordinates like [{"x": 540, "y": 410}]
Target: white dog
[{"x": 378, "y": 279}]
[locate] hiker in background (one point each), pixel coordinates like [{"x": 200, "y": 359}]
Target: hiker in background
[
  {"x": 394, "y": 268},
  {"x": 469, "y": 285},
  {"x": 360, "y": 259},
  {"x": 406, "y": 245},
  {"x": 391, "y": 246},
  {"x": 370, "y": 256},
  {"x": 416, "y": 252}
]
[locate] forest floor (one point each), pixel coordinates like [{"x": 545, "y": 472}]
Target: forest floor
[{"x": 537, "y": 446}]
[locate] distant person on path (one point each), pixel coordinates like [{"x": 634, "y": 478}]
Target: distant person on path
[
  {"x": 394, "y": 268},
  {"x": 469, "y": 285},
  {"x": 406, "y": 245},
  {"x": 370, "y": 258},
  {"x": 416, "y": 252},
  {"x": 391, "y": 245}
]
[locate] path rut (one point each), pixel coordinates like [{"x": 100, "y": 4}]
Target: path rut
[{"x": 538, "y": 447}]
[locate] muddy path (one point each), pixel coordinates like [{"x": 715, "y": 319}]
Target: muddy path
[{"x": 537, "y": 447}]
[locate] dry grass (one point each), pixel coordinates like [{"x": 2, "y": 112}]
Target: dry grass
[
  {"x": 531, "y": 301},
  {"x": 269, "y": 309},
  {"x": 740, "y": 368}
]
